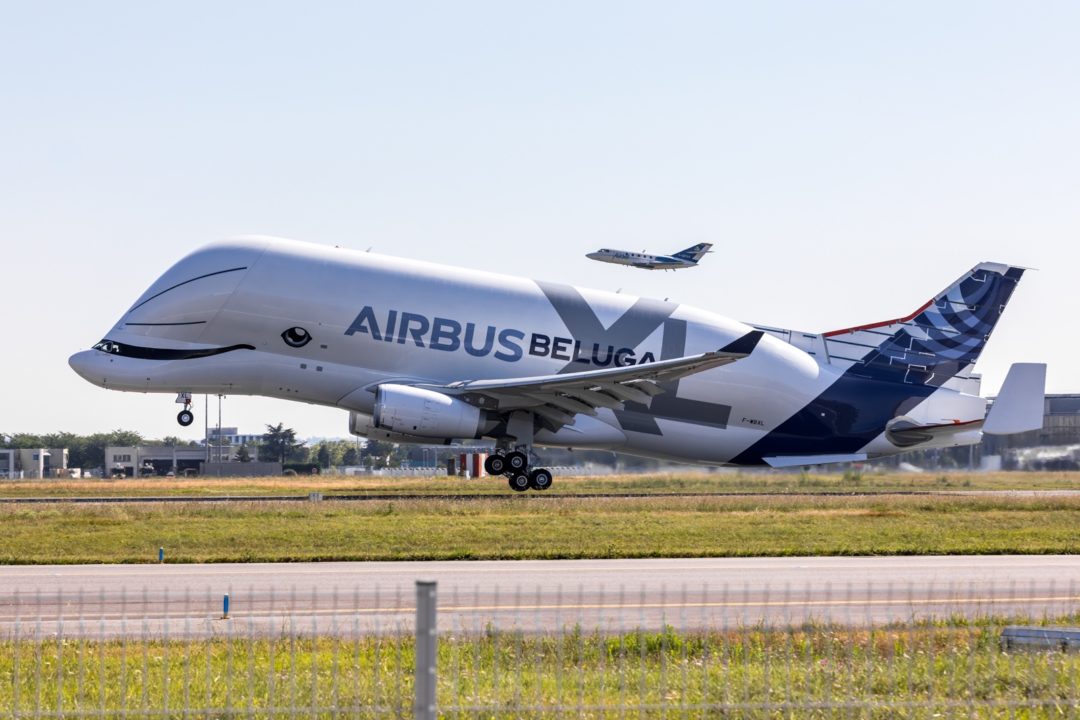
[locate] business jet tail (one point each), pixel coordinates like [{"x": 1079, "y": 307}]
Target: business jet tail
[{"x": 693, "y": 254}]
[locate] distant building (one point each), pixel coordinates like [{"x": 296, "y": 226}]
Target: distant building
[
  {"x": 7, "y": 464},
  {"x": 160, "y": 460},
  {"x": 232, "y": 436},
  {"x": 34, "y": 463},
  {"x": 1056, "y": 446},
  {"x": 224, "y": 443},
  {"x": 1061, "y": 426},
  {"x": 151, "y": 460}
]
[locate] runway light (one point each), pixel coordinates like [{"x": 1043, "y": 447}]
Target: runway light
[
  {"x": 225, "y": 608},
  {"x": 161, "y": 554}
]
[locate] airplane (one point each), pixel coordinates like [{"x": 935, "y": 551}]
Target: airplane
[
  {"x": 418, "y": 352},
  {"x": 683, "y": 259}
]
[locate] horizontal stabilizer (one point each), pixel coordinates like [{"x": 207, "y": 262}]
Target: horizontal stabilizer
[
  {"x": 1019, "y": 406},
  {"x": 904, "y": 432},
  {"x": 786, "y": 461}
]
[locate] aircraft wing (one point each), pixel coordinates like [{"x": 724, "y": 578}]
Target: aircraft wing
[{"x": 558, "y": 398}]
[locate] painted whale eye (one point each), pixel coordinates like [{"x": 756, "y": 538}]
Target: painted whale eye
[{"x": 296, "y": 337}]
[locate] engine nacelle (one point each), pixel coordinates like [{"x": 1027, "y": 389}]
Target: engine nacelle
[
  {"x": 425, "y": 414},
  {"x": 363, "y": 425}
]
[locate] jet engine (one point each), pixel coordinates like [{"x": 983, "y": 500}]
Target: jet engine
[
  {"x": 363, "y": 425},
  {"x": 421, "y": 414}
]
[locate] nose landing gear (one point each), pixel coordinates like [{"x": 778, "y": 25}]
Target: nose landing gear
[
  {"x": 515, "y": 466},
  {"x": 185, "y": 417}
]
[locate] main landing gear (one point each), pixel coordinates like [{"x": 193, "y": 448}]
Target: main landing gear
[
  {"x": 515, "y": 466},
  {"x": 185, "y": 417}
]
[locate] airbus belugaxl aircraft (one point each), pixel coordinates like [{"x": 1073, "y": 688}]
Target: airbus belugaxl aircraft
[
  {"x": 682, "y": 259},
  {"x": 425, "y": 353}
]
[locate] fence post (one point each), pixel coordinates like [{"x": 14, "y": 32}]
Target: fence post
[{"x": 426, "y": 639}]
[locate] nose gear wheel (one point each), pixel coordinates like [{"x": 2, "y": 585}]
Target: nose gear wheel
[{"x": 185, "y": 417}]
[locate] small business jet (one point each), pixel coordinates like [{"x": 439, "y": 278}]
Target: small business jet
[
  {"x": 424, "y": 353},
  {"x": 683, "y": 259}
]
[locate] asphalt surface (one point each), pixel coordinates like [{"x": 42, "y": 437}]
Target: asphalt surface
[
  {"x": 466, "y": 497},
  {"x": 611, "y": 595}
]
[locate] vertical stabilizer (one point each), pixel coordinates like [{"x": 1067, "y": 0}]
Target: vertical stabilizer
[
  {"x": 695, "y": 253},
  {"x": 940, "y": 340}
]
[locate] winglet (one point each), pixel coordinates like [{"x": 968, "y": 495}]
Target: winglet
[{"x": 744, "y": 345}]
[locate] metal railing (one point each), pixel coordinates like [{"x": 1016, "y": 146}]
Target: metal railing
[{"x": 852, "y": 652}]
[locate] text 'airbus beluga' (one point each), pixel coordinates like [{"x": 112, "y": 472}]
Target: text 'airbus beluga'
[{"x": 423, "y": 353}]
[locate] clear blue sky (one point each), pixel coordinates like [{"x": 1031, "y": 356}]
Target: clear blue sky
[{"x": 848, "y": 159}]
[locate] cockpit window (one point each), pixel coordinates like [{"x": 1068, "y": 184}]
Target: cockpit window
[{"x": 108, "y": 346}]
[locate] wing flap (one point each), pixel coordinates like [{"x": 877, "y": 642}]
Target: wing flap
[
  {"x": 626, "y": 393},
  {"x": 553, "y": 416},
  {"x": 564, "y": 402},
  {"x": 598, "y": 398}
]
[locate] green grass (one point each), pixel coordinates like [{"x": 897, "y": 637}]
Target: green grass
[
  {"x": 814, "y": 671},
  {"x": 869, "y": 481},
  {"x": 527, "y": 527}
]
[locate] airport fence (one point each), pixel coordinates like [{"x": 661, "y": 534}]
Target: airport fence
[{"x": 430, "y": 651}]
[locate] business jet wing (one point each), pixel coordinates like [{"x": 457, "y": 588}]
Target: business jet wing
[{"x": 558, "y": 398}]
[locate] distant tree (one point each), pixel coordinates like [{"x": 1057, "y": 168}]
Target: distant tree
[
  {"x": 375, "y": 453},
  {"x": 280, "y": 442},
  {"x": 379, "y": 454},
  {"x": 337, "y": 450},
  {"x": 242, "y": 455},
  {"x": 350, "y": 456},
  {"x": 26, "y": 440},
  {"x": 324, "y": 455}
]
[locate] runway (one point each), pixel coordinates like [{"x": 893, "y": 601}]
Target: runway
[
  {"x": 609, "y": 595},
  {"x": 482, "y": 497}
]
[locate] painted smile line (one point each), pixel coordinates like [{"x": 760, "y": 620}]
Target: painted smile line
[{"x": 146, "y": 353}]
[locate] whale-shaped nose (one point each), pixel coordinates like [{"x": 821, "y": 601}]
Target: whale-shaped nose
[{"x": 86, "y": 364}]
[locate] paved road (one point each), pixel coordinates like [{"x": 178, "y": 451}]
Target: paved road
[{"x": 346, "y": 598}]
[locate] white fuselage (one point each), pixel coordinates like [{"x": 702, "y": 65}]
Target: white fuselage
[
  {"x": 640, "y": 260},
  {"x": 324, "y": 325}
]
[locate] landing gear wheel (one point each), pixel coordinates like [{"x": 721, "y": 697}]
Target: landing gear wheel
[
  {"x": 540, "y": 479},
  {"x": 517, "y": 461},
  {"x": 185, "y": 417},
  {"x": 519, "y": 482},
  {"x": 495, "y": 465}
]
